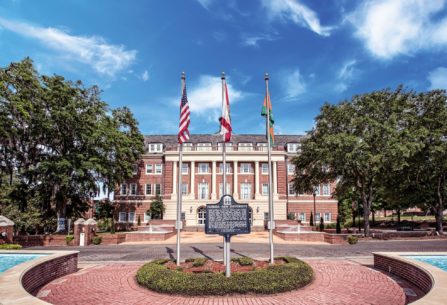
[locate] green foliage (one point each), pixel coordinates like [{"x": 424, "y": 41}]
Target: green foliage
[
  {"x": 243, "y": 261},
  {"x": 291, "y": 216},
  {"x": 199, "y": 262},
  {"x": 274, "y": 279},
  {"x": 96, "y": 240},
  {"x": 352, "y": 239},
  {"x": 311, "y": 219},
  {"x": 157, "y": 208},
  {"x": 69, "y": 239},
  {"x": 139, "y": 221},
  {"x": 58, "y": 139},
  {"x": 10, "y": 247},
  {"x": 321, "y": 224}
]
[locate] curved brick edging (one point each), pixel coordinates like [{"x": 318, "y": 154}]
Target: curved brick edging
[
  {"x": 429, "y": 279},
  {"x": 18, "y": 283}
]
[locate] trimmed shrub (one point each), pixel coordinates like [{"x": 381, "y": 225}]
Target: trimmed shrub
[
  {"x": 291, "y": 216},
  {"x": 10, "y": 247},
  {"x": 273, "y": 279},
  {"x": 199, "y": 262},
  {"x": 96, "y": 240},
  {"x": 352, "y": 239},
  {"x": 321, "y": 224},
  {"x": 311, "y": 219},
  {"x": 139, "y": 221},
  {"x": 243, "y": 261},
  {"x": 69, "y": 239},
  {"x": 338, "y": 227}
]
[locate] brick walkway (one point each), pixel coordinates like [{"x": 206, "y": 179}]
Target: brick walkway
[{"x": 336, "y": 282}]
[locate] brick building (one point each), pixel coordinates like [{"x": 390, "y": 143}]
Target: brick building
[{"x": 247, "y": 180}]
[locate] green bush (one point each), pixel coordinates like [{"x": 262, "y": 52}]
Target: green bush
[
  {"x": 69, "y": 239},
  {"x": 199, "y": 262},
  {"x": 352, "y": 239},
  {"x": 273, "y": 279},
  {"x": 291, "y": 216},
  {"x": 96, "y": 240},
  {"x": 243, "y": 261},
  {"x": 321, "y": 224},
  {"x": 338, "y": 227},
  {"x": 311, "y": 219},
  {"x": 10, "y": 247}
]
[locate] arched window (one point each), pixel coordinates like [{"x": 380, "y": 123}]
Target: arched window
[{"x": 201, "y": 212}]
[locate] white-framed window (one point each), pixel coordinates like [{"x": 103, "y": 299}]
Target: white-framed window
[
  {"x": 122, "y": 217},
  {"x": 203, "y": 190},
  {"x": 158, "y": 169},
  {"x": 134, "y": 169},
  {"x": 131, "y": 217},
  {"x": 264, "y": 168},
  {"x": 245, "y": 146},
  {"x": 290, "y": 168},
  {"x": 185, "y": 168},
  {"x": 203, "y": 146},
  {"x": 148, "y": 189},
  {"x": 317, "y": 190},
  {"x": 228, "y": 166},
  {"x": 291, "y": 189},
  {"x": 184, "y": 188},
  {"x": 201, "y": 213},
  {"x": 149, "y": 169},
  {"x": 327, "y": 216},
  {"x": 187, "y": 146},
  {"x": 326, "y": 190},
  {"x": 265, "y": 189},
  {"x": 155, "y": 147},
  {"x": 293, "y": 147},
  {"x": 133, "y": 188},
  {"x": 203, "y": 168},
  {"x": 157, "y": 188},
  {"x": 261, "y": 146},
  {"x": 228, "y": 146},
  {"x": 146, "y": 217},
  {"x": 245, "y": 190},
  {"x": 123, "y": 189},
  {"x": 246, "y": 168},
  {"x": 318, "y": 217},
  {"x": 302, "y": 217},
  {"x": 228, "y": 189}
]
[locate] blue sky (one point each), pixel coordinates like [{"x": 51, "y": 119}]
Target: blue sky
[{"x": 315, "y": 52}]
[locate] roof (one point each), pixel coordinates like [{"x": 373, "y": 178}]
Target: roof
[{"x": 280, "y": 140}]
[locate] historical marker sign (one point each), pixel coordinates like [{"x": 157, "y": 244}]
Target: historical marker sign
[{"x": 227, "y": 217}]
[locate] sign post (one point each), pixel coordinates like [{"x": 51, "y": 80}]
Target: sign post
[{"x": 227, "y": 218}]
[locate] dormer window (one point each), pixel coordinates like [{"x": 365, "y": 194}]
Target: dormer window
[
  {"x": 261, "y": 146},
  {"x": 293, "y": 147},
  {"x": 155, "y": 148},
  {"x": 245, "y": 146},
  {"x": 203, "y": 146},
  {"x": 228, "y": 146}
]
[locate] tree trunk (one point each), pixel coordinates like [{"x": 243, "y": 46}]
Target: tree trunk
[
  {"x": 366, "y": 212},
  {"x": 61, "y": 211},
  {"x": 384, "y": 213},
  {"x": 373, "y": 218},
  {"x": 439, "y": 218}
]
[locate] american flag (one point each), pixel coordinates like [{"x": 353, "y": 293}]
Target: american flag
[
  {"x": 183, "y": 132},
  {"x": 225, "y": 120}
]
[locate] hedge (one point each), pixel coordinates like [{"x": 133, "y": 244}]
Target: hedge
[
  {"x": 273, "y": 279},
  {"x": 10, "y": 247}
]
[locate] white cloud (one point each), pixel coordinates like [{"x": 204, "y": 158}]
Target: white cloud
[
  {"x": 296, "y": 12},
  {"x": 253, "y": 41},
  {"x": 145, "y": 75},
  {"x": 293, "y": 84},
  {"x": 205, "y": 3},
  {"x": 438, "y": 78},
  {"x": 346, "y": 75},
  {"x": 393, "y": 27},
  {"x": 106, "y": 59},
  {"x": 219, "y": 36}
]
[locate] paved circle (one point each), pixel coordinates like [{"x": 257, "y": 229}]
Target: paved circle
[{"x": 335, "y": 282}]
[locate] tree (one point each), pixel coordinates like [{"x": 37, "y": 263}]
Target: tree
[
  {"x": 357, "y": 142},
  {"x": 321, "y": 224},
  {"x": 58, "y": 139},
  {"x": 311, "y": 219},
  {"x": 157, "y": 208},
  {"x": 338, "y": 226}
]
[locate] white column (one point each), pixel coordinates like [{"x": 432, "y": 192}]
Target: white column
[
  {"x": 213, "y": 181},
  {"x": 193, "y": 173},
  {"x": 275, "y": 180},
  {"x": 235, "y": 186},
  {"x": 257, "y": 179},
  {"x": 174, "y": 177}
]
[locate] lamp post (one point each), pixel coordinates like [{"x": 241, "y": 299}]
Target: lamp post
[{"x": 315, "y": 213}]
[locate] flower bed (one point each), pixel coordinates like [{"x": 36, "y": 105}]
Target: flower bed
[{"x": 205, "y": 277}]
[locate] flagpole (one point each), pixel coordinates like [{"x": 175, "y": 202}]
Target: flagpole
[
  {"x": 271, "y": 218},
  {"x": 224, "y": 164},
  {"x": 179, "y": 189}
]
